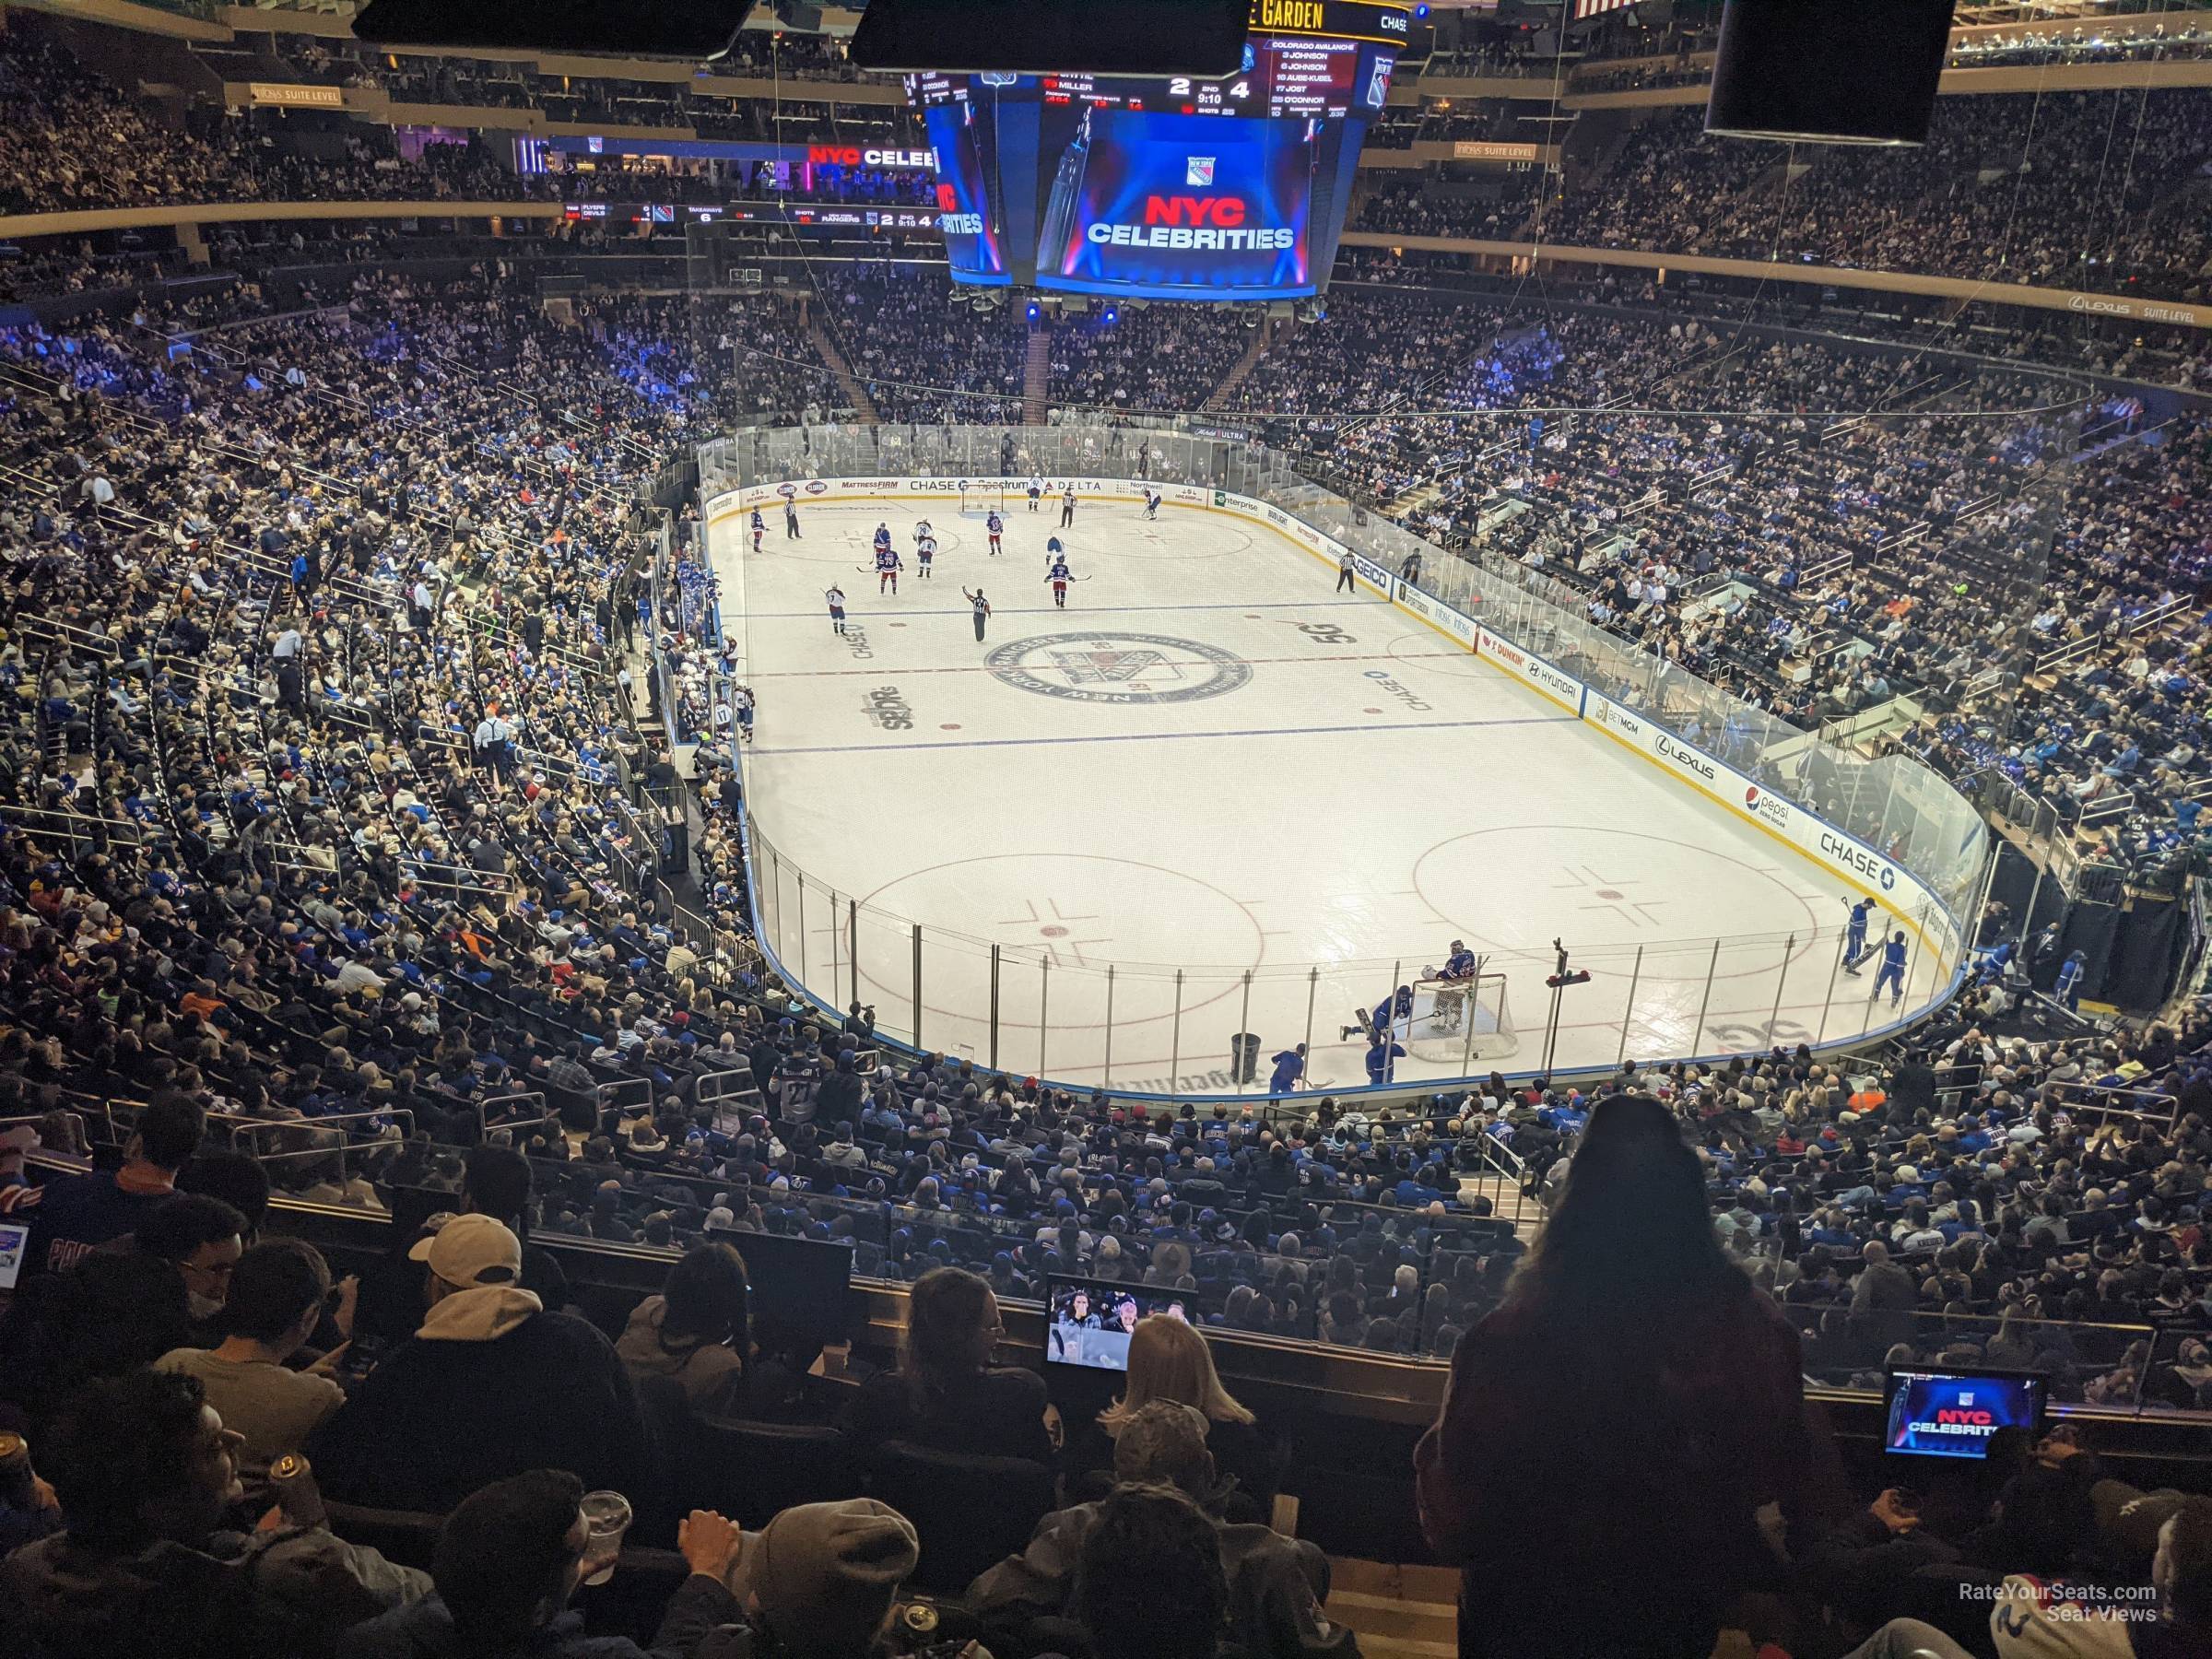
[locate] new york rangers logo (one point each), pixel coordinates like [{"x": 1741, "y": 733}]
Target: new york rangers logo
[
  {"x": 1109, "y": 667},
  {"x": 1198, "y": 170},
  {"x": 1117, "y": 668}
]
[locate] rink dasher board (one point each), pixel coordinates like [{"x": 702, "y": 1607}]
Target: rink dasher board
[{"x": 1836, "y": 853}]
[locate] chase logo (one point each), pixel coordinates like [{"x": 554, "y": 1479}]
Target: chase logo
[
  {"x": 1198, "y": 170},
  {"x": 1852, "y": 856}
]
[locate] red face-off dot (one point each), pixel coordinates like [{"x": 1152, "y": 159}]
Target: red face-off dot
[{"x": 950, "y": 726}]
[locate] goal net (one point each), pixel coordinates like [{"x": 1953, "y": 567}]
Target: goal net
[
  {"x": 1459, "y": 1022},
  {"x": 979, "y": 501}
]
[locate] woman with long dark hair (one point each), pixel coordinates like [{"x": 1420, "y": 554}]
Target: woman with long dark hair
[
  {"x": 697, "y": 1331},
  {"x": 946, "y": 1394},
  {"x": 1609, "y": 1430}
]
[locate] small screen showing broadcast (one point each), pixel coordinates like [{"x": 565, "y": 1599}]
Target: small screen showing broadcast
[
  {"x": 1956, "y": 1414},
  {"x": 1090, "y": 1323}
]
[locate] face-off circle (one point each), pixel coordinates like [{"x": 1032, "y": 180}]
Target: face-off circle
[{"x": 1118, "y": 668}]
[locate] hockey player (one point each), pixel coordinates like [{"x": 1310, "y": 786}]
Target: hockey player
[
  {"x": 2066, "y": 988},
  {"x": 1893, "y": 971},
  {"x": 1367, "y": 1022},
  {"x": 1036, "y": 492},
  {"x": 1854, "y": 933},
  {"x": 1054, "y": 551},
  {"x": 1059, "y": 576},
  {"x": 921, "y": 530},
  {"x": 1151, "y": 503},
  {"x": 836, "y": 595},
  {"x": 882, "y": 538},
  {"x": 1461, "y": 963},
  {"x": 760, "y": 529},
  {"x": 995, "y": 527},
  {"x": 744, "y": 712},
  {"x": 925, "y": 550}
]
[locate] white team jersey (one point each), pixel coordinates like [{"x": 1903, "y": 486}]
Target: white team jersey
[
  {"x": 836, "y": 597},
  {"x": 922, "y": 531},
  {"x": 926, "y": 546}
]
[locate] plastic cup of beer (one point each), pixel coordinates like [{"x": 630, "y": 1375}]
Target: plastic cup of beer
[{"x": 607, "y": 1516}]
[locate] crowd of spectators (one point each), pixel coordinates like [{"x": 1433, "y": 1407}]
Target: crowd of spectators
[
  {"x": 330, "y": 869},
  {"x": 2062, "y": 189}
]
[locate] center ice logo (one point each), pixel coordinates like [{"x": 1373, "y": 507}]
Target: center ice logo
[{"x": 1117, "y": 668}]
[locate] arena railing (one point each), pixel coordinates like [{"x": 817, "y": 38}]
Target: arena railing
[{"x": 1886, "y": 826}]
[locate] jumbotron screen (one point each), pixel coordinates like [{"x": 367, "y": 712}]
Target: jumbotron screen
[{"x": 1171, "y": 189}]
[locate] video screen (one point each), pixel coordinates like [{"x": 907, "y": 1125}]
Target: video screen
[
  {"x": 1175, "y": 189},
  {"x": 1089, "y": 1322},
  {"x": 1147, "y": 204},
  {"x": 1954, "y": 1414},
  {"x": 964, "y": 201}
]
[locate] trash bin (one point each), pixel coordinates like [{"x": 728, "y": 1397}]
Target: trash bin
[{"x": 1243, "y": 1057}]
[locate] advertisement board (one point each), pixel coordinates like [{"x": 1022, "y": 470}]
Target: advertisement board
[
  {"x": 1434, "y": 612},
  {"x": 1562, "y": 688}
]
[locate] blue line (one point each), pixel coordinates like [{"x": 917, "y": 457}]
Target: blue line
[{"x": 1407, "y": 726}]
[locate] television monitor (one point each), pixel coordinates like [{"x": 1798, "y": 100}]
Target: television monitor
[
  {"x": 1931, "y": 1413},
  {"x": 1087, "y": 1322}
]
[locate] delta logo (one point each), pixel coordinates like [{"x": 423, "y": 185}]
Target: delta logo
[
  {"x": 1771, "y": 808},
  {"x": 1219, "y": 223}
]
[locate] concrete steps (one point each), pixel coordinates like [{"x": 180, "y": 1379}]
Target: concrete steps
[
  {"x": 1399, "y": 1612},
  {"x": 1261, "y": 339},
  {"x": 1037, "y": 377},
  {"x": 854, "y": 393}
]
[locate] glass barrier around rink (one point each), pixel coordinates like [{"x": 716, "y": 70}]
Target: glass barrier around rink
[{"x": 1179, "y": 1029}]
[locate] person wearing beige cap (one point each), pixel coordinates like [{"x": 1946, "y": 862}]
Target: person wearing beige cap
[
  {"x": 490, "y": 1385},
  {"x": 821, "y": 1580}
]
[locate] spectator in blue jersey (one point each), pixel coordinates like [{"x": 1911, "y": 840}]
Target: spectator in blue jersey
[{"x": 81, "y": 1212}]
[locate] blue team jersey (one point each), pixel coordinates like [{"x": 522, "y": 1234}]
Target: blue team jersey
[
  {"x": 883, "y": 537},
  {"x": 1893, "y": 954},
  {"x": 1059, "y": 572},
  {"x": 994, "y": 523},
  {"x": 886, "y": 560}
]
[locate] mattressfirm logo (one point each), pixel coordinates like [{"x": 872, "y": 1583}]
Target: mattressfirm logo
[
  {"x": 1118, "y": 668},
  {"x": 885, "y": 708},
  {"x": 1198, "y": 170},
  {"x": 1771, "y": 808}
]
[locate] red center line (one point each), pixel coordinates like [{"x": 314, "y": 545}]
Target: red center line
[{"x": 885, "y": 670}]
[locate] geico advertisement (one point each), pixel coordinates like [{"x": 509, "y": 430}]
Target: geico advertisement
[{"x": 1148, "y": 202}]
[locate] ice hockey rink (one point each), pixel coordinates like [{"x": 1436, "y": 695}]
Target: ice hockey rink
[{"x": 1212, "y": 764}]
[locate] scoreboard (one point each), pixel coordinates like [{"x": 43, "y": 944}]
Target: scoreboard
[{"x": 1173, "y": 187}]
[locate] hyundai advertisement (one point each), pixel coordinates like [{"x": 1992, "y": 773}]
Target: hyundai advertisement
[
  {"x": 1955, "y": 1414},
  {"x": 1182, "y": 206}
]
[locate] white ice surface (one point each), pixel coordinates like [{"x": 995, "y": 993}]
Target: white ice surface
[{"x": 1363, "y": 791}]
